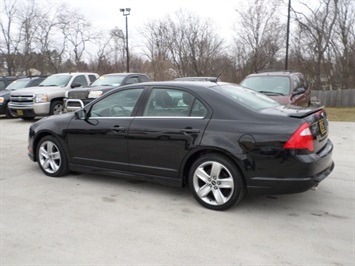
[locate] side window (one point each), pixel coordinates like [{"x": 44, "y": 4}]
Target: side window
[
  {"x": 92, "y": 78},
  {"x": 2, "y": 85},
  {"x": 296, "y": 83},
  {"x": 132, "y": 80},
  {"x": 171, "y": 102},
  {"x": 81, "y": 80},
  {"x": 35, "y": 82},
  {"x": 119, "y": 104}
]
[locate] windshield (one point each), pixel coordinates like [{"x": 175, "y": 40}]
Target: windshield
[
  {"x": 17, "y": 84},
  {"x": 56, "y": 80},
  {"x": 248, "y": 98},
  {"x": 268, "y": 84},
  {"x": 108, "y": 81}
]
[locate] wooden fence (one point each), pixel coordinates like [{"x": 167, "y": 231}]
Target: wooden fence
[{"x": 335, "y": 98}]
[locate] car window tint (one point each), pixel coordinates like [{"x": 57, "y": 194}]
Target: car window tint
[
  {"x": 172, "y": 102},
  {"x": 132, "y": 80},
  {"x": 2, "y": 85},
  {"x": 246, "y": 97},
  {"x": 35, "y": 82},
  {"x": 119, "y": 104},
  {"x": 81, "y": 80},
  {"x": 277, "y": 84},
  {"x": 92, "y": 78},
  {"x": 57, "y": 80}
]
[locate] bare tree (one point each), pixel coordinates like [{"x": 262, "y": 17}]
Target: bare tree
[
  {"x": 155, "y": 48},
  {"x": 194, "y": 45},
  {"x": 259, "y": 35},
  {"x": 342, "y": 45},
  {"x": 77, "y": 32},
  {"x": 11, "y": 39},
  {"x": 316, "y": 28}
]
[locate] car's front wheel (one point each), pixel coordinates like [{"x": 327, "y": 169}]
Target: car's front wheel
[
  {"x": 57, "y": 108},
  {"x": 215, "y": 182},
  {"x": 51, "y": 157}
]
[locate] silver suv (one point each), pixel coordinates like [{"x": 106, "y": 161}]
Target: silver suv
[{"x": 47, "y": 98}]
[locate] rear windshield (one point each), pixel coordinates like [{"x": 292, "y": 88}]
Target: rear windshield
[
  {"x": 268, "y": 84},
  {"x": 56, "y": 80},
  {"x": 108, "y": 81},
  {"x": 248, "y": 98}
]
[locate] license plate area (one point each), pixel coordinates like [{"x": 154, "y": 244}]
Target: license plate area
[
  {"x": 322, "y": 128},
  {"x": 19, "y": 112}
]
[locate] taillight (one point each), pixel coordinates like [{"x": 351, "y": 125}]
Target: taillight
[{"x": 301, "y": 139}]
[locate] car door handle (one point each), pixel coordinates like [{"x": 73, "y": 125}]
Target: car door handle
[
  {"x": 117, "y": 128},
  {"x": 190, "y": 130}
]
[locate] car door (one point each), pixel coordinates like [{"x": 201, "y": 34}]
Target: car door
[
  {"x": 171, "y": 124},
  {"x": 100, "y": 140}
]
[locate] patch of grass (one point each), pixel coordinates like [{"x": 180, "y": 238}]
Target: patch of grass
[{"x": 345, "y": 114}]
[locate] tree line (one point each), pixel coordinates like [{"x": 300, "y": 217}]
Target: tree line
[{"x": 56, "y": 38}]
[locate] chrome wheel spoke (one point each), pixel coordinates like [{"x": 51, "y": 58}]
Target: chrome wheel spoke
[
  {"x": 220, "y": 199},
  {"x": 56, "y": 155},
  {"x": 203, "y": 191},
  {"x": 46, "y": 163},
  {"x": 226, "y": 183},
  {"x": 44, "y": 153},
  {"x": 54, "y": 166},
  {"x": 216, "y": 169},
  {"x": 201, "y": 174}
]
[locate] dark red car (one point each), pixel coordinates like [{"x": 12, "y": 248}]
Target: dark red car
[{"x": 285, "y": 87}]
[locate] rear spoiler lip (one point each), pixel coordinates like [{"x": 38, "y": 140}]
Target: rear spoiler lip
[{"x": 306, "y": 112}]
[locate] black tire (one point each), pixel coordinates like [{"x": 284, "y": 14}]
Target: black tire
[
  {"x": 27, "y": 118},
  {"x": 57, "y": 108},
  {"x": 51, "y": 157},
  {"x": 219, "y": 190}
]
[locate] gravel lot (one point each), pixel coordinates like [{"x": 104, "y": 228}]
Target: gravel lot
[{"x": 97, "y": 220}]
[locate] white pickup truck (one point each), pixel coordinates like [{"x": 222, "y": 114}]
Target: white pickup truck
[{"x": 47, "y": 98}]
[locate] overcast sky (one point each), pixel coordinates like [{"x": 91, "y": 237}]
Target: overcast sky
[{"x": 106, "y": 14}]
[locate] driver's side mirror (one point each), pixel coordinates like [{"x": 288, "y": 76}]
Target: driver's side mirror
[
  {"x": 80, "y": 114},
  {"x": 298, "y": 91},
  {"x": 75, "y": 85}
]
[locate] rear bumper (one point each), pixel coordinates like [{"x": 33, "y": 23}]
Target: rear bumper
[
  {"x": 287, "y": 185},
  {"x": 298, "y": 173}
]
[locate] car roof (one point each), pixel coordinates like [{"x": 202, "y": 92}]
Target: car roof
[
  {"x": 274, "y": 73},
  {"x": 123, "y": 74}
]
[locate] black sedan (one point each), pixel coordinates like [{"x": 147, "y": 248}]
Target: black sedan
[{"x": 220, "y": 139}]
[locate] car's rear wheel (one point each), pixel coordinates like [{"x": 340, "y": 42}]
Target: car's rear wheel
[
  {"x": 215, "y": 182},
  {"x": 57, "y": 108},
  {"x": 51, "y": 157}
]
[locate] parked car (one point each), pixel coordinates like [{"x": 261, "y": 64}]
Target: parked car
[
  {"x": 221, "y": 140},
  {"x": 6, "y": 80},
  {"x": 47, "y": 98},
  {"x": 15, "y": 85},
  {"x": 78, "y": 98},
  {"x": 285, "y": 87}
]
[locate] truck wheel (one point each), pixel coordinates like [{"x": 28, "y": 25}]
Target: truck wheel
[{"x": 57, "y": 108}]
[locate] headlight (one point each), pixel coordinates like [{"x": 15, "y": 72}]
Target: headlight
[
  {"x": 1, "y": 99},
  {"x": 67, "y": 94},
  {"x": 41, "y": 98},
  {"x": 95, "y": 94}
]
